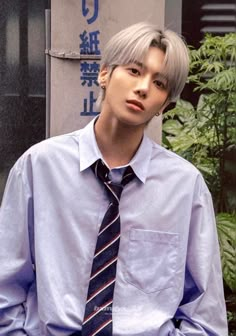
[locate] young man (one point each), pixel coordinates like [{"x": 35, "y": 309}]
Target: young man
[{"x": 161, "y": 274}]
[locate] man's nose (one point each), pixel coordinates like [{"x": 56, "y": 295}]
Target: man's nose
[{"x": 142, "y": 87}]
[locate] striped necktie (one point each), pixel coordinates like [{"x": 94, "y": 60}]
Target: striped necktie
[{"x": 98, "y": 310}]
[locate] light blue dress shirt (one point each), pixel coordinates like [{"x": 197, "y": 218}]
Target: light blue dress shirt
[{"x": 169, "y": 264}]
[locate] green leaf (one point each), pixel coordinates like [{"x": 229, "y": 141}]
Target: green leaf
[
  {"x": 226, "y": 225},
  {"x": 165, "y": 141},
  {"x": 172, "y": 127},
  {"x": 181, "y": 143},
  {"x": 225, "y": 80}
]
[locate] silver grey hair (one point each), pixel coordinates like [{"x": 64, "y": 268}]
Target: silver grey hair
[{"x": 132, "y": 44}]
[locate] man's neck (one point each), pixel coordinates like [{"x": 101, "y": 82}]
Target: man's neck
[{"x": 118, "y": 143}]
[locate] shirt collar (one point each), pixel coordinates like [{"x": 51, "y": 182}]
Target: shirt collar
[{"x": 89, "y": 152}]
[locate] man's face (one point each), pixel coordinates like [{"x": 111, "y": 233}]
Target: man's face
[{"x": 137, "y": 91}]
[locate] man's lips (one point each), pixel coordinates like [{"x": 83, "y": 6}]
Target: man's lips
[{"x": 135, "y": 103}]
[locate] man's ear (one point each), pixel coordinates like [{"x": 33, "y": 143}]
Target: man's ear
[{"x": 102, "y": 77}]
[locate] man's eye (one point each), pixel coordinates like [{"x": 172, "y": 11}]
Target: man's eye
[
  {"x": 160, "y": 84},
  {"x": 134, "y": 71}
]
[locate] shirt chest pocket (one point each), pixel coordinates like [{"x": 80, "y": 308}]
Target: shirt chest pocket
[{"x": 152, "y": 259}]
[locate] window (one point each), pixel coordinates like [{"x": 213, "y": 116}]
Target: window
[{"x": 22, "y": 79}]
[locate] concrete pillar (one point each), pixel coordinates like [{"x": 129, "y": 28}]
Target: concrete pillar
[{"x": 74, "y": 20}]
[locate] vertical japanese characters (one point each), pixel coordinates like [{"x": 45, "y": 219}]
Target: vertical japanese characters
[{"x": 89, "y": 45}]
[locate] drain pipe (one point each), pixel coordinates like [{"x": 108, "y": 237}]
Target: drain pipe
[{"x": 48, "y": 70}]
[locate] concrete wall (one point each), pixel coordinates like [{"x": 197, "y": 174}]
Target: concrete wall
[
  {"x": 173, "y": 15},
  {"x": 68, "y": 22}
]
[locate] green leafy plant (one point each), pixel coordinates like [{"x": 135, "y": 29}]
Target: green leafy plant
[
  {"x": 205, "y": 135},
  {"x": 226, "y": 224}
]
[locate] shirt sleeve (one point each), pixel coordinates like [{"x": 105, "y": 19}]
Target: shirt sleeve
[
  {"x": 202, "y": 310},
  {"x": 16, "y": 271}
]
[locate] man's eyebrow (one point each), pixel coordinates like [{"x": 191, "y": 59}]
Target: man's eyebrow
[
  {"x": 140, "y": 64},
  {"x": 161, "y": 76}
]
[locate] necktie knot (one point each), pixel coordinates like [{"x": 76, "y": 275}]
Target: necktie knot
[{"x": 113, "y": 189}]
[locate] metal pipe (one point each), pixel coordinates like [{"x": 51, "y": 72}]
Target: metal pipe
[
  {"x": 72, "y": 55},
  {"x": 48, "y": 70}
]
